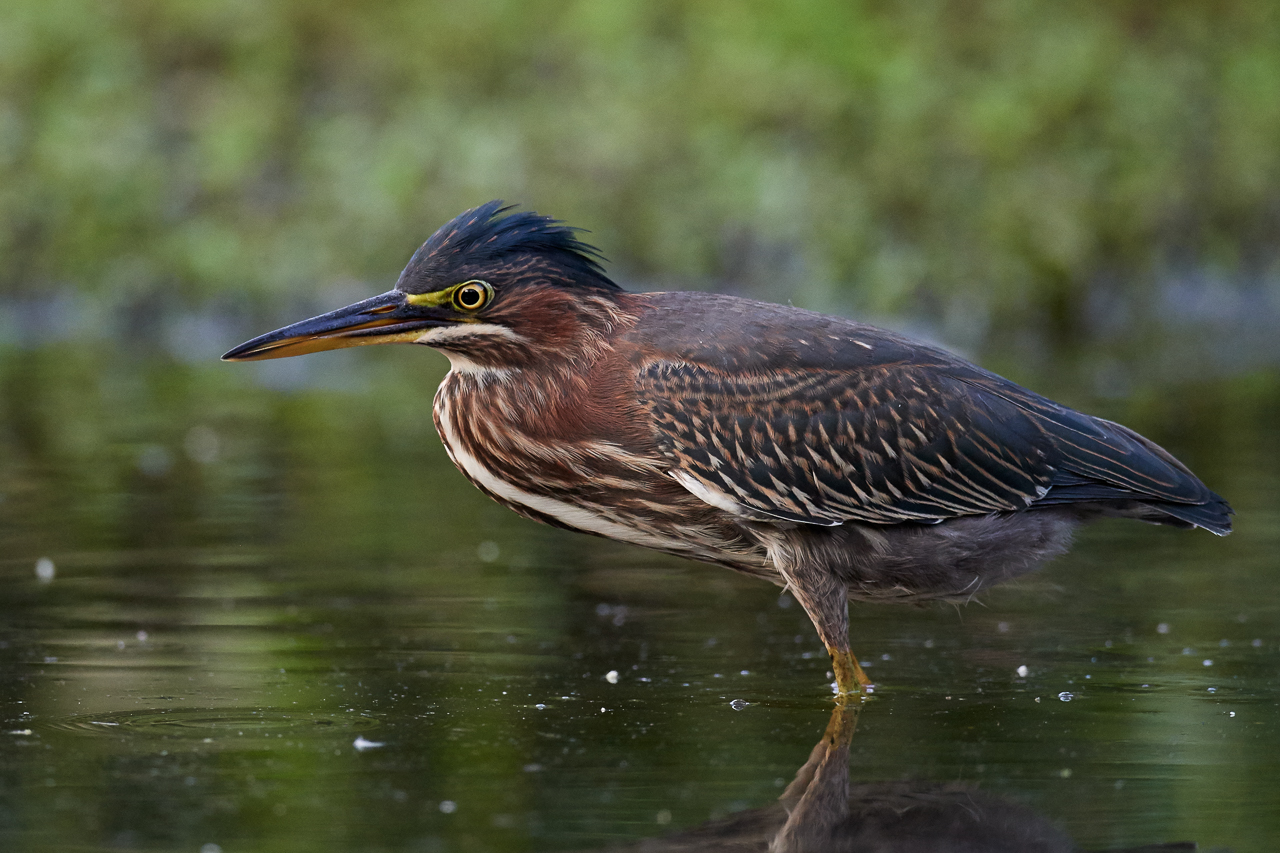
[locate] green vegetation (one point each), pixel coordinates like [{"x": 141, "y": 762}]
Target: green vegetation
[{"x": 996, "y": 160}]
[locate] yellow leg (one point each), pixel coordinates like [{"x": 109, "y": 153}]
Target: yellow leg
[
  {"x": 826, "y": 599},
  {"x": 851, "y": 680}
]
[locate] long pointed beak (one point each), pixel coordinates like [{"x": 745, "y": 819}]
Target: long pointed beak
[{"x": 384, "y": 319}]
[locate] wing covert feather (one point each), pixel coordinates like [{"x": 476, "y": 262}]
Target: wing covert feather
[
  {"x": 776, "y": 412},
  {"x": 878, "y": 445}
]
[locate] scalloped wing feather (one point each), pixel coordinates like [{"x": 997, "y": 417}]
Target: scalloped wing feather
[{"x": 824, "y": 447}]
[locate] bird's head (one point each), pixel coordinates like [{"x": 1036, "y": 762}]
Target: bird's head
[{"x": 490, "y": 288}]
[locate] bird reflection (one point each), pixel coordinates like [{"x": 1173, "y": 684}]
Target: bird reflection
[{"x": 822, "y": 811}]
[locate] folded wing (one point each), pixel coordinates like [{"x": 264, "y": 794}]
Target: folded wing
[{"x": 907, "y": 441}]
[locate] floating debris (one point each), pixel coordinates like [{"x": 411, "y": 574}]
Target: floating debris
[{"x": 611, "y": 676}]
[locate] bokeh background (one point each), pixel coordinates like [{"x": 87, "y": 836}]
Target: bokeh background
[
  {"x": 1082, "y": 196},
  {"x": 984, "y": 165}
]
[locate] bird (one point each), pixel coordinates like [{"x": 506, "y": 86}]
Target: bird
[{"x": 833, "y": 458}]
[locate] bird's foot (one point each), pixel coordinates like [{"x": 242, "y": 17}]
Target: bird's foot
[{"x": 851, "y": 680}]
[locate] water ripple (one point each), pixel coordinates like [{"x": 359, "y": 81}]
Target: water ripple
[{"x": 206, "y": 724}]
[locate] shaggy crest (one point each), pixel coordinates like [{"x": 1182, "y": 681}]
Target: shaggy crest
[{"x": 485, "y": 238}]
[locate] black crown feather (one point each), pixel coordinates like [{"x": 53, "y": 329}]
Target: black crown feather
[{"x": 485, "y": 237}]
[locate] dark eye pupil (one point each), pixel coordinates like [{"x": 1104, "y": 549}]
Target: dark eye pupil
[{"x": 470, "y": 297}]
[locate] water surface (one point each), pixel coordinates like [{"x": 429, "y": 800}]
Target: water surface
[{"x": 249, "y": 610}]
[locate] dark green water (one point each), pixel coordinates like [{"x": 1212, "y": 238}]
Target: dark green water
[{"x": 255, "y": 607}]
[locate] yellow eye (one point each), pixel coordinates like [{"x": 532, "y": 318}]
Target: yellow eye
[{"x": 472, "y": 295}]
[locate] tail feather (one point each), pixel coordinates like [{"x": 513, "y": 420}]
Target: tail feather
[
  {"x": 1185, "y": 502},
  {"x": 1214, "y": 516}
]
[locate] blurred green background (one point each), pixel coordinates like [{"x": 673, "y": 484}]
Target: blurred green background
[
  {"x": 1082, "y": 196},
  {"x": 976, "y": 163}
]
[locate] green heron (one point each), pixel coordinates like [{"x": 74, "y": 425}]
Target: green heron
[{"x": 830, "y": 457}]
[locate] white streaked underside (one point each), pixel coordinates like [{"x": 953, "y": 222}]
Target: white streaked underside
[
  {"x": 469, "y": 331},
  {"x": 579, "y": 518}
]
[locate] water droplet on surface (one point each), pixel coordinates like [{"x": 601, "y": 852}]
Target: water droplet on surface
[
  {"x": 45, "y": 570},
  {"x": 611, "y": 676},
  {"x": 540, "y": 706},
  {"x": 738, "y": 704},
  {"x": 1065, "y": 696}
]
